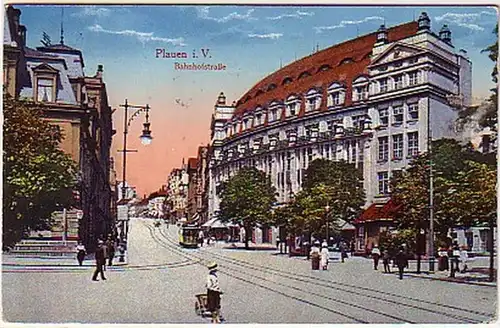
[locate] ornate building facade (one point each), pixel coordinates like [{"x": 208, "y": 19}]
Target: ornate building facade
[
  {"x": 374, "y": 101},
  {"x": 177, "y": 193},
  {"x": 53, "y": 77}
]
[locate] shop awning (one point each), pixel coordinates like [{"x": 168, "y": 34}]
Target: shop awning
[
  {"x": 378, "y": 212},
  {"x": 215, "y": 223}
]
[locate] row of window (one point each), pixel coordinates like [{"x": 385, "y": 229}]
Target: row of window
[
  {"x": 336, "y": 97},
  {"x": 397, "y": 148},
  {"x": 398, "y": 114}
]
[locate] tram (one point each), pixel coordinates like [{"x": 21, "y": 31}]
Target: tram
[{"x": 188, "y": 236}]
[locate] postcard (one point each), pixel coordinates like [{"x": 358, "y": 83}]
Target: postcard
[{"x": 249, "y": 164}]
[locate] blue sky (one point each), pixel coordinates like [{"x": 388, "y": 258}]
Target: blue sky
[{"x": 250, "y": 40}]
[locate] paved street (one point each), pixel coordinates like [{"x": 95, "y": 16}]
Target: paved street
[{"x": 159, "y": 283}]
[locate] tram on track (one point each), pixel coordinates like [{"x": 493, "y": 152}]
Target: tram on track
[{"x": 188, "y": 236}]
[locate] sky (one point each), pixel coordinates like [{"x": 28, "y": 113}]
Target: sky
[{"x": 251, "y": 41}]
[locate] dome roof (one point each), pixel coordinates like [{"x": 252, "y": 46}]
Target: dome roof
[{"x": 340, "y": 63}]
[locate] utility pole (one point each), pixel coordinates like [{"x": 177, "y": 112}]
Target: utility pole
[{"x": 431, "y": 197}]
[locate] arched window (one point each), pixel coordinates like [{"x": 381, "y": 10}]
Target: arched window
[
  {"x": 325, "y": 67},
  {"x": 313, "y": 99},
  {"x": 304, "y": 74},
  {"x": 271, "y": 86},
  {"x": 292, "y": 105},
  {"x": 336, "y": 94}
]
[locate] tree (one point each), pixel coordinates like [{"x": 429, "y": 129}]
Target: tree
[
  {"x": 337, "y": 185},
  {"x": 247, "y": 199},
  {"x": 410, "y": 190},
  {"x": 38, "y": 176}
]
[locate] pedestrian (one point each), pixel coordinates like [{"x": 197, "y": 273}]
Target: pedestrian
[
  {"x": 401, "y": 262},
  {"x": 110, "y": 248},
  {"x": 375, "y": 256},
  {"x": 455, "y": 257},
  {"x": 315, "y": 255},
  {"x": 386, "y": 258},
  {"x": 213, "y": 292},
  {"x": 201, "y": 238},
  {"x": 100, "y": 260},
  {"x": 80, "y": 253},
  {"x": 463, "y": 258},
  {"x": 443, "y": 264},
  {"x": 343, "y": 251},
  {"x": 324, "y": 256}
]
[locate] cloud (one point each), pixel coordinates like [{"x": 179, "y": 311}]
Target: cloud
[
  {"x": 345, "y": 23},
  {"x": 92, "y": 11},
  {"x": 203, "y": 13},
  {"x": 467, "y": 20},
  {"x": 266, "y": 36},
  {"x": 298, "y": 14},
  {"x": 141, "y": 36}
]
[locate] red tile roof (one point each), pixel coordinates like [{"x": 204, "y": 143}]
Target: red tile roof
[
  {"x": 192, "y": 163},
  {"x": 357, "y": 50},
  {"x": 378, "y": 212}
]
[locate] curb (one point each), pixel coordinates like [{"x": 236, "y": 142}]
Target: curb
[{"x": 477, "y": 283}]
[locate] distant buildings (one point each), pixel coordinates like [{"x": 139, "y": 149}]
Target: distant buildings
[
  {"x": 177, "y": 190},
  {"x": 53, "y": 76}
]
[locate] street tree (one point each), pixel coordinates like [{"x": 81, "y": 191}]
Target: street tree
[
  {"x": 247, "y": 199},
  {"x": 410, "y": 190},
  {"x": 336, "y": 186},
  {"x": 38, "y": 176}
]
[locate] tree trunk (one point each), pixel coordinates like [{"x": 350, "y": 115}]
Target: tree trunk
[
  {"x": 247, "y": 236},
  {"x": 492, "y": 249}
]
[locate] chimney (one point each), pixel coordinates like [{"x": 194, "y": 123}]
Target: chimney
[{"x": 99, "y": 71}]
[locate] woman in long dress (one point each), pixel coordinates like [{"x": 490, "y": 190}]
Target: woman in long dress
[{"x": 324, "y": 256}]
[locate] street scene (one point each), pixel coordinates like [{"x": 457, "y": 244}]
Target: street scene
[
  {"x": 161, "y": 279},
  {"x": 250, "y": 164}
]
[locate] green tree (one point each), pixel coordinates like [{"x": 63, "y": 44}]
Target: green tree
[
  {"x": 337, "y": 185},
  {"x": 247, "y": 199},
  {"x": 38, "y": 176},
  {"x": 410, "y": 190}
]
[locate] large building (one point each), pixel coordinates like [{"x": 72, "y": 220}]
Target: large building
[
  {"x": 374, "y": 101},
  {"x": 177, "y": 191},
  {"x": 53, "y": 77}
]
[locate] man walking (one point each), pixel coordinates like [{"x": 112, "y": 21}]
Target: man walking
[
  {"x": 110, "y": 247},
  {"x": 375, "y": 256},
  {"x": 213, "y": 293},
  {"x": 386, "y": 259},
  {"x": 100, "y": 261},
  {"x": 401, "y": 261}
]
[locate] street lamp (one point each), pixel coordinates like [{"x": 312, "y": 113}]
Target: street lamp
[
  {"x": 145, "y": 137},
  {"x": 327, "y": 209}
]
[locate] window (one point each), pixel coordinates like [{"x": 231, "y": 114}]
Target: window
[
  {"x": 413, "y": 78},
  {"x": 383, "y": 148},
  {"x": 292, "y": 108},
  {"x": 397, "y": 146},
  {"x": 412, "y": 143},
  {"x": 413, "y": 60},
  {"x": 383, "y": 115},
  {"x": 45, "y": 89},
  {"x": 258, "y": 119},
  {"x": 383, "y": 183},
  {"x": 413, "y": 111},
  {"x": 361, "y": 93},
  {"x": 245, "y": 124},
  {"x": 398, "y": 115},
  {"x": 271, "y": 87},
  {"x": 335, "y": 98},
  {"x": 274, "y": 114},
  {"x": 308, "y": 131},
  {"x": 357, "y": 121},
  {"x": 398, "y": 82},
  {"x": 311, "y": 104},
  {"x": 309, "y": 155},
  {"x": 353, "y": 151},
  {"x": 383, "y": 85}
]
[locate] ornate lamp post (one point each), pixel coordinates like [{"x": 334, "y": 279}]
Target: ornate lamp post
[{"x": 145, "y": 137}]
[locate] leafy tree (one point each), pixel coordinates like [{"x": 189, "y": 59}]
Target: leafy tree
[
  {"x": 38, "y": 176},
  {"x": 410, "y": 191},
  {"x": 337, "y": 185},
  {"x": 247, "y": 199}
]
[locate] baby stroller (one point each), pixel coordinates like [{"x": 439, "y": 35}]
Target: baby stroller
[{"x": 200, "y": 307}]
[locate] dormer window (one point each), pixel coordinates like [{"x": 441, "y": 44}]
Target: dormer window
[
  {"x": 292, "y": 106},
  {"x": 313, "y": 100},
  {"x": 304, "y": 74},
  {"x": 258, "y": 119},
  {"x": 271, "y": 87},
  {"x": 345, "y": 61},
  {"x": 286, "y": 81},
  {"x": 361, "y": 93},
  {"x": 336, "y": 94},
  {"x": 45, "y": 77},
  {"x": 325, "y": 67},
  {"x": 45, "y": 90}
]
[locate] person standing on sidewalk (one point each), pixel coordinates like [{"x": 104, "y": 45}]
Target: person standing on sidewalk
[
  {"x": 401, "y": 261},
  {"x": 201, "y": 237},
  {"x": 110, "y": 247},
  {"x": 100, "y": 260},
  {"x": 80, "y": 253},
  {"x": 386, "y": 258},
  {"x": 463, "y": 258},
  {"x": 375, "y": 256},
  {"x": 324, "y": 256}
]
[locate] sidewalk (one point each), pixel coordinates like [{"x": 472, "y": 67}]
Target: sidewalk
[{"x": 24, "y": 261}]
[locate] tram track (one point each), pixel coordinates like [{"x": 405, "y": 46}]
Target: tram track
[{"x": 321, "y": 282}]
